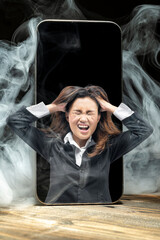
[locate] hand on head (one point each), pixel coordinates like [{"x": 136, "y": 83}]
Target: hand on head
[
  {"x": 56, "y": 107},
  {"x": 105, "y": 106}
]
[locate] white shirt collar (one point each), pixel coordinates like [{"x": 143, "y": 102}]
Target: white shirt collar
[{"x": 69, "y": 138}]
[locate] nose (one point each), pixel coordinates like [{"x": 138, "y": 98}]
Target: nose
[{"x": 83, "y": 118}]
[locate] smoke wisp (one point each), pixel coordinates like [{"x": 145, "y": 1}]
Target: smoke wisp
[
  {"x": 142, "y": 92},
  {"x": 17, "y": 183}
]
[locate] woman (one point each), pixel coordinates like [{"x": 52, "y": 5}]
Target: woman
[{"x": 83, "y": 142}]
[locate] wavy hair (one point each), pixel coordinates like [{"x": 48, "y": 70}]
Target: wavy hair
[{"x": 105, "y": 127}]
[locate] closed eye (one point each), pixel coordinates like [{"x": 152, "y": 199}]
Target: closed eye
[
  {"x": 90, "y": 112},
  {"x": 77, "y": 112}
]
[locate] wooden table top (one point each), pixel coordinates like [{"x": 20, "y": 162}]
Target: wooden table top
[{"x": 133, "y": 217}]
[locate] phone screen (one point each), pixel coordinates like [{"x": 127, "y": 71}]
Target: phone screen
[{"x": 77, "y": 53}]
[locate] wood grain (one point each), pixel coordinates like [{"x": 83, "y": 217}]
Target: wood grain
[{"x": 133, "y": 217}]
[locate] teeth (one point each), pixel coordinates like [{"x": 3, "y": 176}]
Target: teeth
[{"x": 82, "y": 126}]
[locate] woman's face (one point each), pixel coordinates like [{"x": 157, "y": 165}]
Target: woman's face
[{"x": 83, "y": 118}]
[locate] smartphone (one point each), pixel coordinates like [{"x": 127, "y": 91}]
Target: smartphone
[{"x": 78, "y": 53}]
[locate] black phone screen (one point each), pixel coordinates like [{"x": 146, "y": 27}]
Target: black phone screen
[{"x": 78, "y": 53}]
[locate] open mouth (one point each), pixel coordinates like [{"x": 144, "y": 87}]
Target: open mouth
[{"x": 83, "y": 127}]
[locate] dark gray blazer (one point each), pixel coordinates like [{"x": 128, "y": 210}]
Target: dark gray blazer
[{"x": 70, "y": 183}]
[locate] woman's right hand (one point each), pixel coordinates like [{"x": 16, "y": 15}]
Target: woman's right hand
[{"x": 56, "y": 107}]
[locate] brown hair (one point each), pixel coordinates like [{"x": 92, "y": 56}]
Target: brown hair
[{"x": 105, "y": 127}]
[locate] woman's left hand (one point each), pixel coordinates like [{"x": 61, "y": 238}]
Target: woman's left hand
[{"x": 106, "y": 106}]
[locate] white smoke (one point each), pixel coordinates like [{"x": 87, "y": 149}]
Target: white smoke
[
  {"x": 141, "y": 166},
  {"x": 142, "y": 92},
  {"x": 17, "y": 177},
  {"x": 58, "y": 9}
]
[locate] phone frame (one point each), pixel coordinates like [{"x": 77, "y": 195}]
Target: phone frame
[{"x": 121, "y": 159}]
